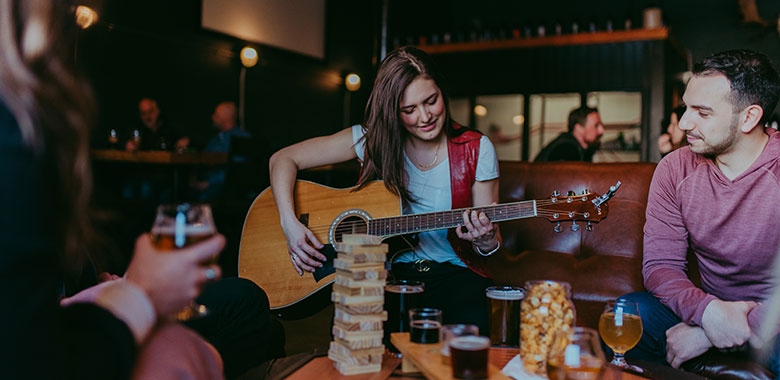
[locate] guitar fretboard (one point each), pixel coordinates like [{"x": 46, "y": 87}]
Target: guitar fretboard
[{"x": 431, "y": 221}]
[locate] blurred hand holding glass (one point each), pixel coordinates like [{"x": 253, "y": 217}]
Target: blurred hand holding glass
[
  {"x": 620, "y": 326},
  {"x": 178, "y": 226},
  {"x": 575, "y": 355}
]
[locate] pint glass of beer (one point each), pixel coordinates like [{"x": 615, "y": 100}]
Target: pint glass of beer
[
  {"x": 400, "y": 297},
  {"x": 504, "y": 304},
  {"x": 177, "y": 226},
  {"x": 469, "y": 356}
]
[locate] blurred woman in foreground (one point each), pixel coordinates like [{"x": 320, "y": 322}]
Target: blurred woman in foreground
[{"x": 108, "y": 331}]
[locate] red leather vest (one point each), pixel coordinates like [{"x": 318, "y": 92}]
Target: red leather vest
[{"x": 463, "y": 152}]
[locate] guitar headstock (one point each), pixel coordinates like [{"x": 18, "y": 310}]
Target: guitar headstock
[{"x": 585, "y": 207}]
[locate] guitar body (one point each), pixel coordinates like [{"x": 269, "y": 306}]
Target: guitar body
[{"x": 263, "y": 256}]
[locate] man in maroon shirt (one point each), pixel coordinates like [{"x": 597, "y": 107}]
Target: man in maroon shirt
[{"x": 717, "y": 199}]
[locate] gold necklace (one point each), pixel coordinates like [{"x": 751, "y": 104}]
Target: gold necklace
[{"x": 435, "y": 158}]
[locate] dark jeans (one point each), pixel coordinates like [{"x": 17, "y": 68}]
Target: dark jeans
[
  {"x": 457, "y": 291},
  {"x": 239, "y": 324}
]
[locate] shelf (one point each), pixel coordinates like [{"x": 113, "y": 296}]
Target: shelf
[{"x": 563, "y": 40}]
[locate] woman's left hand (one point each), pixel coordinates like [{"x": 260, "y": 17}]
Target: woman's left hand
[{"x": 481, "y": 232}]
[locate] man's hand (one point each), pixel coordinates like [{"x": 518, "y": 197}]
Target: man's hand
[
  {"x": 685, "y": 342},
  {"x": 726, "y": 323}
]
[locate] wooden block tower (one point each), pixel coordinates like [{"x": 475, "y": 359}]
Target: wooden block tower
[{"x": 359, "y": 297}]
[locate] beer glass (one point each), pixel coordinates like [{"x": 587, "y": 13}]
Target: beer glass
[
  {"x": 424, "y": 325},
  {"x": 449, "y": 332},
  {"x": 504, "y": 304},
  {"x": 575, "y": 355},
  {"x": 469, "y": 356},
  {"x": 621, "y": 328},
  {"x": 400, "y": 297},
  {"x": 178, "y": 226}
]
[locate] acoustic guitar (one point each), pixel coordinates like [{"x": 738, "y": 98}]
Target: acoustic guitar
[{"x": 330, "y": 213}]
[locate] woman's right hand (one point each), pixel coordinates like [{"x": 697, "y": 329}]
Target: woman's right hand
[
  {"x": 301, "y": 244},
  {"x": 172, "y": 279}
]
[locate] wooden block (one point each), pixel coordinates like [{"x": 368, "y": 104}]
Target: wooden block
[
  {"x": 359, "y": 325},
  {"x": 361, "y": 360},
  {"x": 359, "y": 291},
  {"x": 360, "y": 343},
  {"x": 363, "y": 257},
  {"x": 344, "y": 315},
  {"x": 353, "y": 266},
  {"x": 351, "y": 283},
  {"x": 360, "y": 239},
  {"x": 364, "y": 308},
  {"x": 349, "y": 300},
  {"x": 356, "y": 248},
  {"x": 342, "y": 349},
  {"x": 347, "y": 335},
  {"x": 347, "y": 370},
  {"x": 359, "y": 275}
]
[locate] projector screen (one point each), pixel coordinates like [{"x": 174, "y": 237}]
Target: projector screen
[{"x": 297, "y": 25}]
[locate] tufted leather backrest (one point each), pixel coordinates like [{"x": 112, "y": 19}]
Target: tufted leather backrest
[{"x": 601, "y": 264}]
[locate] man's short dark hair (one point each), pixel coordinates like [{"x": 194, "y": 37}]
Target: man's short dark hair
[
  {"x": 752, "y": 77},
  {"x": 580, "y": 116}
]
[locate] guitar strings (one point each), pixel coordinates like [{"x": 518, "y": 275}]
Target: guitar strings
[
  {"x": 516, "y": 207},
  {"x": 362, "y": 226}
]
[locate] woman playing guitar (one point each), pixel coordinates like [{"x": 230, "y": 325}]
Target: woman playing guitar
[{"x": 409, "y": 141}]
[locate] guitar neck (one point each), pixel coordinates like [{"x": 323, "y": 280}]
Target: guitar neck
[{"x": 399, "y": 225}]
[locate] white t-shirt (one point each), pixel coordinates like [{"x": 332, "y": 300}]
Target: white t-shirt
[{"x": 432, "y": 191}]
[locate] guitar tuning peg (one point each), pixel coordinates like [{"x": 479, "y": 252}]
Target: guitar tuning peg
[
  {"x": 585, "y": 191},
  {"x": 574, "y": 227},
  {"x": 557, "y": 227},
  {"x": 588, "y": 227},
  {"x": 570, "y": 193},
  {"x": 556, "y": 193}
]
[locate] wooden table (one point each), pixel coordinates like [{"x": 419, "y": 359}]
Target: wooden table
[
  {"x": 173, "y": 161},
  {"x": 161, "y": 157},
  {"x": 427, "y": 359},
  {"x": 322, "y": 368}
]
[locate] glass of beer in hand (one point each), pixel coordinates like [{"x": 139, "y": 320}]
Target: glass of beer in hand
[
  {"x": 575, "y": 355},
  {"x": 180, "y": 225},
  {"x": 621, "y": 328}
]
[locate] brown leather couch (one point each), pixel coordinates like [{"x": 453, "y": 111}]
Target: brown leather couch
[{"x": 601, "y": 264}]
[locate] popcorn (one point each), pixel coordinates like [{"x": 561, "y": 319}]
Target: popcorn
[{"x": 546, "y": 309}]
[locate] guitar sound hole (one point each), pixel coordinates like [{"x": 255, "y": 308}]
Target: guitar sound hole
[{"x": 350, "y": 225}]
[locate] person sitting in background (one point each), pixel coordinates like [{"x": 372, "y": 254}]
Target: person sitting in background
[
  {"x": 153, "y": 133},
  {"x": 580, "y": 142},
  {"x": 674, "y": 137},
  {"x": 225, "y": 120},
  {"x": 715, "y": 198},
  {"x": 110, "y": 331}
]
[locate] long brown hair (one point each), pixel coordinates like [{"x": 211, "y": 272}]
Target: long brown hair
[
  {"x": 53, "y": 109},
  {"x": 384, "y": 131}
]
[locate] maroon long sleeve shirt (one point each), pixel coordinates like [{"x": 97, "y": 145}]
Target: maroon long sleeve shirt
[{"x": 732, "y": 226}]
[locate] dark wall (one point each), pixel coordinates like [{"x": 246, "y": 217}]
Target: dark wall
[{"x": 158, "y": 49}]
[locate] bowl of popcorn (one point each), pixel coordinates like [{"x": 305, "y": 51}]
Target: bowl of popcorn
[{"x": 546, "y": 309}]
